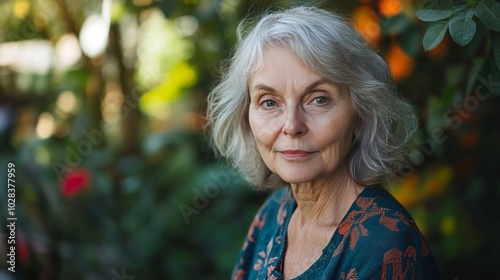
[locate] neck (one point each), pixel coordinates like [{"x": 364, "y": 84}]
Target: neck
[{"x": 324, "y": 203}]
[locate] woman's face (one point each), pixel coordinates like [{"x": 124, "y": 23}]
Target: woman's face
[{"x": 303, "y": 124}]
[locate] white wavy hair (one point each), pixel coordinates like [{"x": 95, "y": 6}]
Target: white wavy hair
[{"x": 327, "y": 44}]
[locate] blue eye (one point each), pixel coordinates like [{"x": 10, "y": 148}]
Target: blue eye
[
  {"x": 320, "y": 100},
  {"x": 269, "y": 103}
]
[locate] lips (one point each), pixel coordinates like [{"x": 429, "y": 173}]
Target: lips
[{"x": 294, "y": 154}]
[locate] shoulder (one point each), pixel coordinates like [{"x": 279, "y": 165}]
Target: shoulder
[
  {"x": 264, "y": 238},
  {"x": 385, "y": 214},
  {"x": 379, "y": 220},
  {"x": 272, "y": 213},
  {"x": 379, "y": 232}
]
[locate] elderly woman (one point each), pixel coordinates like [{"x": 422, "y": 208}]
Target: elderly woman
[{"x": 307, "y": 109}]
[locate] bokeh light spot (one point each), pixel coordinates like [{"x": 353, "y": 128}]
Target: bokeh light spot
[
  {"x": 390, "y": 8},
  {"x": 21, "y": 8},
  {"x": 45, "y": 126},
  {"x": 366, "y": 24},
  {"x": 67, "y": 102}
]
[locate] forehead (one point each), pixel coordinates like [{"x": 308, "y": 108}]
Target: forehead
[{"x": 280, "y": 63}]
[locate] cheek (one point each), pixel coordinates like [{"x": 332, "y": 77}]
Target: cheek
[
  {"x": 336, "y": 148},
  {"x": 263, "y": 129},
  {"x": 336, "y": 137}
]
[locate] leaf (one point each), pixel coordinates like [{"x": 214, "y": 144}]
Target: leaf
[
  {"x": 477, "y": 65},
  {"x": 434, "y": 113},
  {"x": 477, "y": 44},
  {"x": 396, "y": 24},
  {"x": 462, "y": 27},
  {"x": 388, "y": 222},
  {"x": 454, "y": 74},
  {"x": 410, "y": 40},
  {"x": 457, "y": 9},
  {"x": 495, "y": 38},
  {"x": 433, "y": 14},
  {"x": 489, "y": 13},
  {"x": 435, "y": 34},
  {"x": 449, "y": 94}
]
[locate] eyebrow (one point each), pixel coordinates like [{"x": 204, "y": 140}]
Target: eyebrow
[
  {"x": 310, "y": 87},
  {"x": 262, "y": 86}
]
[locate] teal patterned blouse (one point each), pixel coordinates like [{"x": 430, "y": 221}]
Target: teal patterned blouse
[{"x": 377, "y": 239}]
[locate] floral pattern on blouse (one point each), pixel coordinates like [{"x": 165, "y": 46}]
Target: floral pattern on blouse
[{"x": 377, "y": 239}]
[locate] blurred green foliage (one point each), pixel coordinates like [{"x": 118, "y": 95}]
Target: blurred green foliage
[{"x": 114, "y": 176}]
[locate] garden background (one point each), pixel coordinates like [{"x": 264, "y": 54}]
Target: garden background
[{"x": 102, "y": 106}]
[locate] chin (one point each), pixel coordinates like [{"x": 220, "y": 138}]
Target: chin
[
  {"x": 295, "y": 178},
  {"x": 296, "y": 174}
]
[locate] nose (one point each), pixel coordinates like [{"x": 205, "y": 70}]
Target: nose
[{"x": 294, "y": 122}]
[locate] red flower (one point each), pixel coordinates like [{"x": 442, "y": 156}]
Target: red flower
[
  {"x": 75, "y": 181},
  {"x": 22, "y": 248}
]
